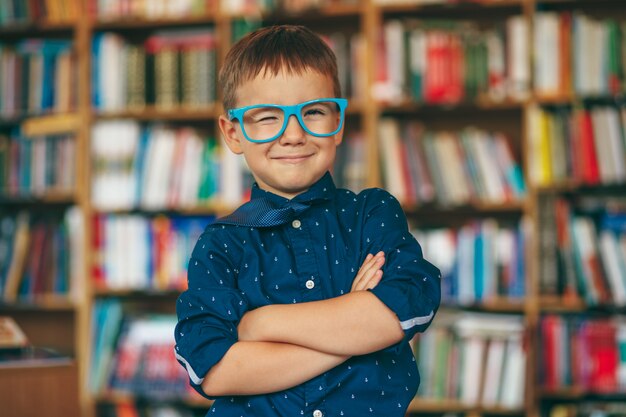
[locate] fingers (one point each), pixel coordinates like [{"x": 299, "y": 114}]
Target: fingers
[
  {"x": 368, "y": 264},
  {"x": 369, "y": 274},
  {"x": 371, "y": 282}
]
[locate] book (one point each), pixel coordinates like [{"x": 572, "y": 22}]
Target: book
[{"x": 18, "y": 260}]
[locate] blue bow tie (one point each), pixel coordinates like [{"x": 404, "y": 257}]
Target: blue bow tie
[{"x": 262, "y": 212}]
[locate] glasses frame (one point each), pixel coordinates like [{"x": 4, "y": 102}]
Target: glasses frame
[{"x": 294, "y": 110}]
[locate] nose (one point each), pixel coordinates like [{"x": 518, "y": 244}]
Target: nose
[{"x": 294, "y": 133}]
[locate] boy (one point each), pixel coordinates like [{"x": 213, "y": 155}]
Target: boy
[{"x": 288, "y": 312}]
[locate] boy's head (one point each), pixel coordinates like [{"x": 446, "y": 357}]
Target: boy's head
[
  {"x": 270, "y": 50},
  {"x": 280, "y": 92}
]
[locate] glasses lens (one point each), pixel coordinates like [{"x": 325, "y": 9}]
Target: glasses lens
[
  {"x": 262, "y": 123},
  {"x": 321, "y": 118}
]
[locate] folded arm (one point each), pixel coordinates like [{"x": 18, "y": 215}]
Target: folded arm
[
  {"x": 251, "y": 368},
  {"x": 278, "y": 365},
  {"x": 353, "y": 324}
]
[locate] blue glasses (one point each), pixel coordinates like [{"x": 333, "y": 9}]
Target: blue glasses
[{"x": 266, "y": 122}]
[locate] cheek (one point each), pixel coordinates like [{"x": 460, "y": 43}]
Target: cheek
[{"x": 330, "y": 148}]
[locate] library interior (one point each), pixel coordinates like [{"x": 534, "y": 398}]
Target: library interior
[{"x": 520, "y": 211}]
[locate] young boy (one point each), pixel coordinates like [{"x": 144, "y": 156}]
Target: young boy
[{"x": 288, "y": 312}]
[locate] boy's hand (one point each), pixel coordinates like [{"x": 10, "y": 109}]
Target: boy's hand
[{"x": 370, "y": 273}]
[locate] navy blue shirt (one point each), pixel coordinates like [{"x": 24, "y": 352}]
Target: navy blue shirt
[{"x": 234, "y": 269}]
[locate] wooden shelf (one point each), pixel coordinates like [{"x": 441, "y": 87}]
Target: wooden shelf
[
  {"x": 52, "y": 124},
  {"x": 574, "y": 3},
  {"x": 209, "y": 114},
  {"x": 36, "y": 28},
  {"x": 575, "y": 186},
  {"x": 473, "y": 208},
  {"x": 137, "y": 293},
  {"x": 331, "y": 11},
  {"x": 50, "y": 302},
  {"x": 51, "y": 197},
  {"x": 57, "y": 387},
  {"x": 409, "y": 106},
  {"x": 139, "y": 24},
  {"x": 579, "y": 393},
  {"x": 419, "y": 405},
  {"x": 569, "y": 99},
  {"x": 558, "y": 304},
  {"x": 494, "y": 305},
  {"x": 151, "y": 113},
  {"x": 558, "y": 187},
  {"x": 455, "y": 7},
  {"x": 210, "y": 209},
  {"x": 193, "y": 400}
]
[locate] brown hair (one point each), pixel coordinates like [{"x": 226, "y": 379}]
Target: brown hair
[{"x": 272, "y": 49}]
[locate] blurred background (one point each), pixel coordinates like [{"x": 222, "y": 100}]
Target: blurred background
[{"x": 500, "y": 125}]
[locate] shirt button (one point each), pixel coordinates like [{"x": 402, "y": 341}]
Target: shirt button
[
  {"x": 296, "y": 224},
  {"x": 310, "y": 284},
  {"x": 317, "y": 413}
]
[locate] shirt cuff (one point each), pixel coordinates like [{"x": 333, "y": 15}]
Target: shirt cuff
[
  {"x": 409, "y": 322},
  {"x": 203, "y": 360}
]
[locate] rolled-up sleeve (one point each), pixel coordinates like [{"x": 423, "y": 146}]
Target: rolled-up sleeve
[
  {"x": 210, "y": 309},
  {"x": 411, "y": 286}
]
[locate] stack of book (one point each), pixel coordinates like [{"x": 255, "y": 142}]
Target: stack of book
[
  {"x": 169, "y": 70},
  {"x": 577, "y": 53},
  {"x": 18, "y": 12},
  {"x": 583, "y": 253},
  {"x": 37, "y": 166},
  {"x": 448, "y": 62},
  {"x": 37, "y": 77},
  {"x": 151, "y": 10},
  {"x": 158, "y": 167},
  {"x": 477, "y": 359},
  {"x": 584, "y": 145},
  {"x": 449, "y": 168},
  {"x": 140, "y": 253},
  {"x": 583, "y": 352},
  {"x": 481, "y": 261},
  {"x": 40, "y": 256},
  {"x": 134, "y": 354}
]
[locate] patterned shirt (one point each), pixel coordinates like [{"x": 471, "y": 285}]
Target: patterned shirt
[{"x": 316, "y": 256}]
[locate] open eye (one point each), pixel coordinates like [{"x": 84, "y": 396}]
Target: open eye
[{"x": 317, "y": 110}]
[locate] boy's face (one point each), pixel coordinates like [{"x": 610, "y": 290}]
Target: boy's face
[{"x": 292, "y": 163}]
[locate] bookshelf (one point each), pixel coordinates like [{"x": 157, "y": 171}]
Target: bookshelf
[{"x": 511, "y": 107}]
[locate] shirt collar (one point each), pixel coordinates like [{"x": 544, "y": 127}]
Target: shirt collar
[{"x": 322, "y": 189}]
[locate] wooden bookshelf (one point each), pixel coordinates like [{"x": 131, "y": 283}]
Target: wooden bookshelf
[
  {"x": 56, "y": 384},
  {"x": 73, "y": 317}
]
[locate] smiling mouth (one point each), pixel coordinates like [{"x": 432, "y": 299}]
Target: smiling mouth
[{"x": 292, "y": 158}]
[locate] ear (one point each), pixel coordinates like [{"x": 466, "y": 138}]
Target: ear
[
  {"x": 339, "y": 135},
  {"x": 229, "y": 133}
]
